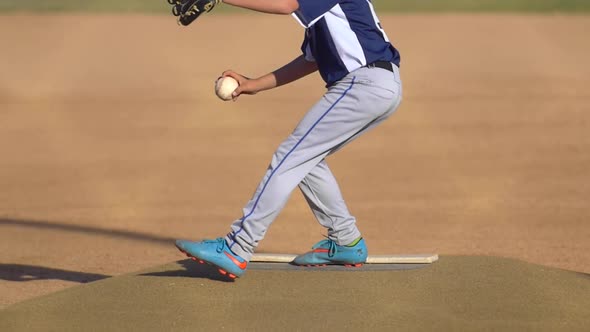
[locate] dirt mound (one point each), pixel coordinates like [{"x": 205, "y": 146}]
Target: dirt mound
[{"x": 456, "y": 293}]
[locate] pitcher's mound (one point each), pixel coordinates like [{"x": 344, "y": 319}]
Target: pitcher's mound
[{"x": 456, "y": 293}]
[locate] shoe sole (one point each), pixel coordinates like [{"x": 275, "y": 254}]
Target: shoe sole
[{"x": 202, "y": 261}]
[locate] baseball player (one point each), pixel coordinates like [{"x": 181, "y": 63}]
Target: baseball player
[{"x": 345, "y": 42}]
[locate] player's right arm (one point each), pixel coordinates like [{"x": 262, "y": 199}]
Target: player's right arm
[{"x": 290, "y": 72}]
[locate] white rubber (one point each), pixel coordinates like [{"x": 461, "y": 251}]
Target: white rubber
[{"x": 377, "y": 259}]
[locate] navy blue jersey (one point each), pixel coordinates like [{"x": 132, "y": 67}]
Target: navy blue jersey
[{"x": 342, "y": 36}]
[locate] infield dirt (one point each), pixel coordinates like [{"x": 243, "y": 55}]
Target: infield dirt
[{"x": 112, "y": 142}]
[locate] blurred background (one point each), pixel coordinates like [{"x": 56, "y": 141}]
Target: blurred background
[
  {"x": 112, "y": 142},
  {"x": 397, "y": 6}
]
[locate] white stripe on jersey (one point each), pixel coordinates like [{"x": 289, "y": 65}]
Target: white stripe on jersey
[
  {"x": 310, "y": 23},
  {"x": 346, "y": 41},
  {"x": 377, "y": 21}
]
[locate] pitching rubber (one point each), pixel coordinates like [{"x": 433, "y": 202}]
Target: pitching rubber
[{"x": 376, "y": 259}]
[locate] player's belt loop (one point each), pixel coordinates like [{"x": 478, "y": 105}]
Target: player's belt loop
[{"x": 381, "y": 64}]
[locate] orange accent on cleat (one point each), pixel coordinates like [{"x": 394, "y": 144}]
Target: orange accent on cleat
[
  {"x": 231, "y": 276},
  {"x": 222, "y": 271},
  {"x": 194, "y": 259},
  {"x": 241, "y": 265},
  {"x": 201, "y": 261}
]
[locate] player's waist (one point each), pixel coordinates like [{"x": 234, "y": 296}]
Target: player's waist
[
  {"x": 381, "y": 64},
  {"x": 332, "y": 77},
  {"x": 386, "y": 66}
]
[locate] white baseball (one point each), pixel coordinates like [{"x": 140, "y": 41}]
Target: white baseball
[{"x": 225, "y": 86}]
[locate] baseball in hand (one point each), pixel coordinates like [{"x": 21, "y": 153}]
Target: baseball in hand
[{"x": 225, "y": 86}]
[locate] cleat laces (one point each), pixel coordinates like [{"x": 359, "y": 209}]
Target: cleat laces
[
  {"x": 220, "y": 243},
  {"x": 332, "y": 247}
]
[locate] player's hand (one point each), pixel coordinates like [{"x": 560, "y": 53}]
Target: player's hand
[
  {"x": 246, "y": 86},
  {"x": 189, "y": 10}
]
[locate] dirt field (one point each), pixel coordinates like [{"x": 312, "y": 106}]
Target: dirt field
[{"x": 112, "y": 142}]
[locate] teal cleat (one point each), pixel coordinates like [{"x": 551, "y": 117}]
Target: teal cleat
[
  {"x": 214, "y": 252},
  {"x": 327, "y": 252}
]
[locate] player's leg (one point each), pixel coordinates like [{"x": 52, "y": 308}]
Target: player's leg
[
  {"x": 347, "y": 109},
  {"x": 379, "y": 119},
  {"x": 327, "y": 204},
  {"x": 323, "y": 194},
  {"x": 344, "y": 244}
]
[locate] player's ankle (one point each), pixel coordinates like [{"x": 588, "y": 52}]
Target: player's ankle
[{"x": 354, "y": 242}]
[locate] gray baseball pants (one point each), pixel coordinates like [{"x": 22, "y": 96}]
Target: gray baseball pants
[{"x": 350, "y": 107}]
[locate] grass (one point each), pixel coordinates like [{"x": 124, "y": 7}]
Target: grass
[{"x": 160, "y": 6}]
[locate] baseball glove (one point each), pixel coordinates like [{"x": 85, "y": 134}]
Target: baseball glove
[{"x": 189, "y": 10}]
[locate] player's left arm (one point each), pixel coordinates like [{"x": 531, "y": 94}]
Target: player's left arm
[{"x": 284, "y": 7}]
